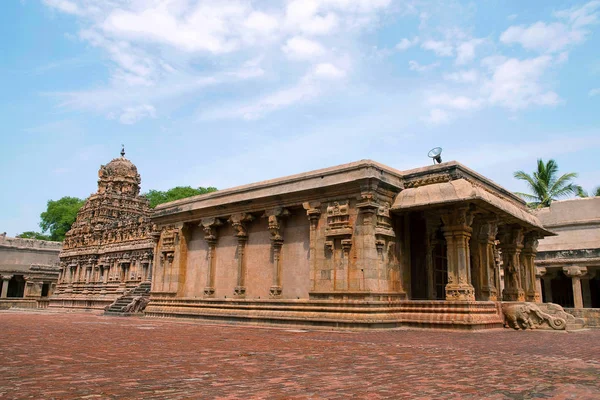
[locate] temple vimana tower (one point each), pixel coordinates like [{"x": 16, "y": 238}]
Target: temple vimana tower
[{"x": 109, "y": 249}]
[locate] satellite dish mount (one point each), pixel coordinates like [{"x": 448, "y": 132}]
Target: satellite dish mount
[{"x": 436, "y": 155}]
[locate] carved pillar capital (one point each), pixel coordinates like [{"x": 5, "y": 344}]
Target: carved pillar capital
[
  {"x": 540, "y": 271},
  {"x": 313, "y": 210},
  {"x": 530, "y": 243},
  {"x": 486, "y": 229},
  {"x": 274, "y": 217},
  {"x": 573, "y": 271},
  {"x": 210, "y": 226},
  {"x": 457, "y": 219},
  {"x": 239, "y": 222}
]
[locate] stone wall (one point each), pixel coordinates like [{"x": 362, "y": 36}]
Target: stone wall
[
  {"x": 28, "y": 270},
  {"x": 22, "y": 253}
]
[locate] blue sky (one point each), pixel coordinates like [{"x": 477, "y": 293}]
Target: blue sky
[{"x": 223, "y": 93}]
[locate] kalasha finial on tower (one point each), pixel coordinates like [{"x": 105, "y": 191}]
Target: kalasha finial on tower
[{"x": 122, "y": 150}]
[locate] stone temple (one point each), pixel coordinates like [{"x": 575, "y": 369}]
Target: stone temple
[
  {"x": 357, "y": 245},
  {"x": 109, "y": 249}
]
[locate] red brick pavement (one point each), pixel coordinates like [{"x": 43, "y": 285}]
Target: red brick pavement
[{"x": 74, "y": 355}]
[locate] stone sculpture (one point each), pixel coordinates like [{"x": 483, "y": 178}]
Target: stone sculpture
[
  {"x": 137, "y": 305},
  {"x": 522, "y": 315}
]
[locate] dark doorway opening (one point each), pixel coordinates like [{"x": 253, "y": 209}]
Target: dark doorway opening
[
  {"x": 418, "y": 261},
  {"x": 595, "y": 292},
  {"x": 562, "y": 290},
  {"x": 16, "y": 286},
  {"x": 45, "y": 289},
  {"x": 440, "y": 268}
]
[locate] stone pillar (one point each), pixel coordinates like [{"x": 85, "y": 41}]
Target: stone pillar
[
  {"x": 457, "y": 231},
  {"x": 5, "y": 280},
  {"x": 575, "y": 273},
  {"x": 483, "y": 256},
  {"x": 528, "y": 264},
  {"x": 539, "y": 272},
  {"x": 313, "y": 212},
  {"x": 210, "y": 226},
  {"x": 274, "y": 217},
  {"x": 511, "y": 244},
  {"x": 28, "y": 290},
  {"x": 239, "y": 222},
  {"x": 346, "y": 246}
]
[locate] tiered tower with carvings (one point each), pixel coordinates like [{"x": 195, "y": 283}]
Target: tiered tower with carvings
[{"x": 109, "y": 247}]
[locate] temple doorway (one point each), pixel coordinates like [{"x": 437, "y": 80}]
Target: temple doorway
[
  {"x": 45, "y": 289},
  {"x": 595, "y": 291},
  {"x": 562, "y": 290},
  {"x": 16, "y": 286},
  {"x": 418, "y": 258}
]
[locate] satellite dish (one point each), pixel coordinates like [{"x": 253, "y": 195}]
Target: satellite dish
[{"x": 436, "y": 154}]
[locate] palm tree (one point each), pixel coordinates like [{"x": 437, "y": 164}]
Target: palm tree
[
  {"x": 583, "y": 193},
  {"x": 546, "y": 185}
]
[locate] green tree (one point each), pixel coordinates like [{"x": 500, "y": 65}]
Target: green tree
[
  {"x": 583, "y": 193},
  {"x": 33, "y": 235},
  {"x": 156, "y": 197},
  {"x": 546, "y": 185},
  {"x": 59, "y": 216}
]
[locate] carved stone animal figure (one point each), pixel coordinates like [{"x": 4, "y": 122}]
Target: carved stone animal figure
[
  {"x": 138, "y": 304},
  {"x": 529, "y": 316}
]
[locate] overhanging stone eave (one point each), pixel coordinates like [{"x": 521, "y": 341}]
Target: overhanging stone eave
[
  {"x": 291, "y": 194},
  {"x": 310, "y": 180},
  {"x": 459, "y": 192}
]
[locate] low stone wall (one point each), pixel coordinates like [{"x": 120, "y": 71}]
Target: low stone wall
[
  {"x": 5, "y": 304},
  {"x": 334, "y": 313},
  {"x": 81, "y": 303},
  {"x": 590, "y": 315}
]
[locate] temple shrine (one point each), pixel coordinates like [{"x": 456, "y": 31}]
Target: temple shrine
[
  {"x": 108, "y": 251},
  {"x": 360, "y": 245}
]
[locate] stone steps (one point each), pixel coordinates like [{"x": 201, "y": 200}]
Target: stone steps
[{"x": 116, "y": 308}]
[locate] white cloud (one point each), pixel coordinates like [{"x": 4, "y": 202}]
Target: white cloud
[
  {"x": 466, "y": 76},
  {"x": 594, "y": 92},
  {"x": 406, "y": 44},
  {"x": 207, "y": 27},
  {"x": 299, "y": 48},
  {"x": 541, "y": 36},
  {"x": 131, "y": 115},
  {"x": 160, "y": 50},
  {"x": 461, "y": 103},
  {"x": 516, "y": 84},
  {"x": 415, "y": 66},
  {"x": 440, "y": 48},
  {"x": 465, "y": 51},
  {"x": 554, "y": 36},
  {"x": 261, "y": 22},
  {"x": 65, "y": 6},
  {"x": 329, "y": 71}
]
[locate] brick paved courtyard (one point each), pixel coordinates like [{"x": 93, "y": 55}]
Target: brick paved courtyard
[{"x": 76, "y": 355}]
